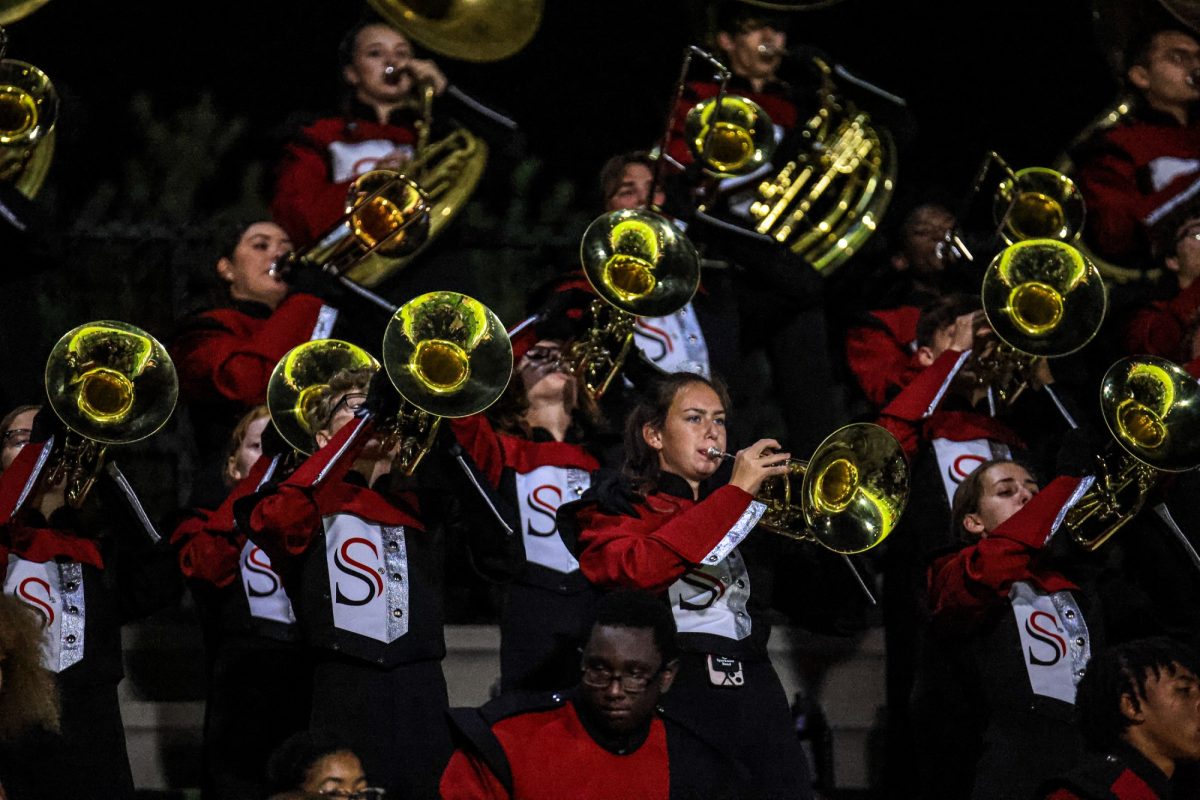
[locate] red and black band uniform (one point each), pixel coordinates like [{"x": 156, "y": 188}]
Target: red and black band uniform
[
  {"x": 1019, "y": 623},
  {"x": 1121, "y": 774},
  {"x": 259, "y": 677},
  {"x": 85, "y": 573},
  {"x": 718, "y": 579},
  {"x": 364, "y": 567},
  {"x": 549, "y": 605},
  {"x": 533, "y": 746}
]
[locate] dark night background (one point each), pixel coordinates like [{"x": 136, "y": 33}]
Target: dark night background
[{"x": 172, "y": 116}]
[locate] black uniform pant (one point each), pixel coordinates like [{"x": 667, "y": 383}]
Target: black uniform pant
[
  {"x": 394, "y": 719},
  {"x": 258, "y": 695},
  {"x": 753, "y": 719}
]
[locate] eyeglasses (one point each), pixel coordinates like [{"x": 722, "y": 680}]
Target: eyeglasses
[
  {"x": 540, "y": 354},
  {"x": 632, "y": 683},
  {"x": 16, "y": 437},
  {"x": 352, "y": 401},
  {"x": 370, "y": 793}
]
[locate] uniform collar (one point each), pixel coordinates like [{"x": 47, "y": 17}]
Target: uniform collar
[{"x": 620, "y": 744}]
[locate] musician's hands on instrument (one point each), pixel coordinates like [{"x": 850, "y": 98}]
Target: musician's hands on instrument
[
  {"x": 1040, "y": 374},
  {"x": 425, "y": 71},
  {"x": 756, "y": 463},
  {"x": 962, "y": 335}
]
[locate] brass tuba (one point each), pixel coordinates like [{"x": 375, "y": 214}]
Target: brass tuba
[
  {"x": 1043, "y": 299},
  {"x": 828, "y": 201},
  {"x": 472, "y": 30},
  {"x": 641, "y": 266},
  {"x": 110, "y": 383},
  {"x": 447, "y": 355},
  {"x": 1152, "y": 409},
  {"x": 298, "y": 382},
  {"x": 847, "y": 498},
  {"x": 28, "y": 111}
]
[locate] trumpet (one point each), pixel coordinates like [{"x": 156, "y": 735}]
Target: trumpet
[
  {"x": 109, "y": 383},
  {"x": 1033, "y": 203},
  {"x": 847, "y": 498}
]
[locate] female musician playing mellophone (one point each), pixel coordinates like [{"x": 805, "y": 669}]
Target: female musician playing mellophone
[{"x": 663, "y": 526}]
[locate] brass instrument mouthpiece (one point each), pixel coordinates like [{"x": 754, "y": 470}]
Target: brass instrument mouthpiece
[
  {"x": 713, "y": 452},
  {"x": 769, "y": 51},
  {"x": 391, "y": 75}
]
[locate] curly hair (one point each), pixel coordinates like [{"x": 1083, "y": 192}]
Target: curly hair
[{"x": 28, "y": 696}]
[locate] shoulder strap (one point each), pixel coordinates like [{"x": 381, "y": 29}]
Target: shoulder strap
[{"x": 471, "y": 732}]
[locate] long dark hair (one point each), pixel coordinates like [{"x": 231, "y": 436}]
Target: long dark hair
[{"x": 641, "y": 460}]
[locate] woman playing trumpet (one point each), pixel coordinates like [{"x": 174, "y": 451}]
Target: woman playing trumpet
[{"x": 662, "y": 525}]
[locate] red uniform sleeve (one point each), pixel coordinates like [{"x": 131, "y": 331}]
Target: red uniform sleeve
[
  {"x": 964, "y": 584},
  {"x": 882, "y": 365},
  {"x": 904, "y": 416},
  {"x": 468, "y": 778},
  {"x": 1117, "y": 208},
  {"x": 307, "y": 202},
  {"x": 652, "y": 551},
  {"x": 203, "y": 554},
  {"x": 479, "y": 439},
  {"x": 223, "y": 363},
  {"x": 1062, "y": 794},
  {"x": 1159, "y": 328}
]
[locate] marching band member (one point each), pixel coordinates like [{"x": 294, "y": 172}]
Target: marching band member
[
  {"x": 84, "y": 572},
  {"x": 361, "y": 553},
  {"x": 225, "y": 354},
  {"x": 663, "y": 526},
  {"x": 258, "y": 675},
  {"x": 538, "y": 446},
  {"x": 608, "y": 739},
  {"x": 1014, "y": 624}
]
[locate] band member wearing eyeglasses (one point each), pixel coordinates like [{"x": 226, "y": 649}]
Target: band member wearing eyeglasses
[
  {"x": 665, "y": 526},
  {"x": 258, "y": 675},
  {"x": 1134, "y": 172},
  {"x": 1139, "y": 712},
  {"x": 83, "y": 572},
  {"x": 226, "y": 351},
  {"x": 318, "y": 763},
  {"x": 609, "y": 738},
  {"x": 361, "y": 551},
  {"x": 538, "y": 445},
  {"x": 1016, "y": 613}
]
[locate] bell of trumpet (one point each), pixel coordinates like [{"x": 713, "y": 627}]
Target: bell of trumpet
[
  {"x": 847, "y": 498},
  {"x": 641, "y": 266},
  {"x": 472, "y": 30},
  {"x": 1043, "y": 297},
  {"x": 1038, "y": 203},
  {"x": 1151, "y": 407},
  {"x": 388, "y": 214},
  {"x": 28, "y": 112},
  {"x": 732, "y": 137},
  {"x": 298, "y": 382},
  {"x": 110, "y": 383},
  {"x": 448, "y": 354}
]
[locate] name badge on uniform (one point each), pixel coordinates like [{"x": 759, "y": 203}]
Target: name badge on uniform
[
  {"x": 351, "y": 159},
  {"x": 368, "y": 577},
  {"x": 1054, "y": 640},
  {"x": 55, "y": 593},
  {"x": 957, "y": 460},
  {"x": 264, "y": 590},
  {"x": 725, "y": 672},
  {"x": 540, "y": 492}
]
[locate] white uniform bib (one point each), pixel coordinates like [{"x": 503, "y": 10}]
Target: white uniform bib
[
  {"x": 540, "y": 492},
  {"x": 55, "y": 593},
  {"x": 368, "y": 577}
]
